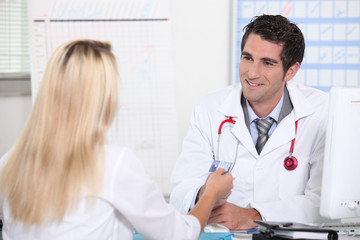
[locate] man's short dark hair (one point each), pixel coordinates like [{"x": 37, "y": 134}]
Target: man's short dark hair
[{"x": 278, "y": 29}]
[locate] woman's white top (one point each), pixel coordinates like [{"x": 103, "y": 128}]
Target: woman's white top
[{"x": 129, "y": 199}]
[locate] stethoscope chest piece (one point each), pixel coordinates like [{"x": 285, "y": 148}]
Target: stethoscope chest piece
[{"x": 290, "y": 163}]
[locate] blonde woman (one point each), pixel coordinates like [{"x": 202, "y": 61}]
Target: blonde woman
[{"x": 61, "y": 181}]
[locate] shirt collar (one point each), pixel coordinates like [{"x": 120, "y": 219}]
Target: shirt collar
[{"x": 274, "y": 114}]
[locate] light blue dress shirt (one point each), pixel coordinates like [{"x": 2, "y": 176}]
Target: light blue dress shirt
[{"x": 252, "y": 117}]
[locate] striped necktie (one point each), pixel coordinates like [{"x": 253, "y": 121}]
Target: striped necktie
[{"x": 263, "y": 126}]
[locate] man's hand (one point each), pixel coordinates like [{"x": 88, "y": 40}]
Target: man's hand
[{"x": 234, "y": 217}]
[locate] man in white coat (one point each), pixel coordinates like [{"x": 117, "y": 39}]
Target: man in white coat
[{"x": 278, "y": 173}]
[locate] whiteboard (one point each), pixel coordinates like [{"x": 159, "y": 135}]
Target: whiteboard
[
  {"x": 332, "y": 37},
  {"x": 140, "y": 34}
]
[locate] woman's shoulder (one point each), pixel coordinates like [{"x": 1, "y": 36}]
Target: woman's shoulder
[{"x": 117, "y": 155}]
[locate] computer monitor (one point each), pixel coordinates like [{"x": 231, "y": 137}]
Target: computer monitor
[{"x": 340, "y": 196}]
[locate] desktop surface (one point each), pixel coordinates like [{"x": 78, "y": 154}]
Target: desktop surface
[
  {"x": 232, "y": 236},
  {"x": 211, "y": 236}
]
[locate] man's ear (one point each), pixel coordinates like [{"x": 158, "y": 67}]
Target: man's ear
[{"x": 291, "y": 72}]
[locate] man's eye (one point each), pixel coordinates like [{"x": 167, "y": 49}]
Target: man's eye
[
  {"x": 246, "y": 58},
  {"x": 268, "y": 63}
]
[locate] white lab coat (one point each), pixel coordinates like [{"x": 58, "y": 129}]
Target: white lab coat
[
  {"x": 261, "y": 181},
  {"x": 129, "y": 199}
]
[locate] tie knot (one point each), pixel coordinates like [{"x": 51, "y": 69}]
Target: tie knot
[{"x": 263, "y": 125}]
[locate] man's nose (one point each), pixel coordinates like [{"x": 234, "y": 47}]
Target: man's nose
[{"x": 254, "y": 71}]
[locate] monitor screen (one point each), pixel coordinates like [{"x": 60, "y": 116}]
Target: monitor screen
[{"x": 340, "y": 195}]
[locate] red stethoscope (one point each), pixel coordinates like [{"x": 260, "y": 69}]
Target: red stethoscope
[{"x": 290, "y": 162}]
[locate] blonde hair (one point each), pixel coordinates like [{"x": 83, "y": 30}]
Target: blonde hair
[{"x": 57, "y": 158}]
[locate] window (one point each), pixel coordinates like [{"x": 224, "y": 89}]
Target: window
[
  {"x": 14, "y": 40},
  {"x": 14, "y": 48}
]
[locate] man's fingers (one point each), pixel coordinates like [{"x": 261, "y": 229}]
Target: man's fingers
[{"x": 215, "y": 219}]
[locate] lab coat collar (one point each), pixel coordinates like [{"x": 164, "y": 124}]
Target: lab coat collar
[
  {"x": 231, "y": 107},
  {"x": 302, "y": 106}
]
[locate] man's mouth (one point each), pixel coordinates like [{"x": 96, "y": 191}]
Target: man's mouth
[{"x": 253, "y": 84}]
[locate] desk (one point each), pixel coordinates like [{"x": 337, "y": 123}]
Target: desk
[
  {"x": 210, "y": 236},
  {"x": 227, "y": 236}
]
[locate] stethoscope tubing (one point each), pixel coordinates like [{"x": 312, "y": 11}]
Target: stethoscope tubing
[
  {"x": 230, "y": 120},
  {"x": 290, "y": 162}
]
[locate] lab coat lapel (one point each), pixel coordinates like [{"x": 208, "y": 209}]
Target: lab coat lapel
[
  {"x": 283, "y": 134},
  {"x": 231, "y": 107},
  {"x": 241, "y": 132},
  {"x": 285, "y": 131}
]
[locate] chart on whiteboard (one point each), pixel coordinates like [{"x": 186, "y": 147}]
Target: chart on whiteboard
[
  {"x": 332, "y": 37},
  {"x": 140, "y": 34}
]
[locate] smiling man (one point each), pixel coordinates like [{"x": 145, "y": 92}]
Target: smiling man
[{"x": 272, "y": 135}]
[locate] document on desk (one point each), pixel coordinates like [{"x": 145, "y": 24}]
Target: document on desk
[
  {"x": 242, "y": 236},
  {"x": 292, "y": 230}
]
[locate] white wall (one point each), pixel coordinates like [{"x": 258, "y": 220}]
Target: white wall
[
  {"x": 14, "y": 113},
  {"x": 201, "y": 31},
  {"x": 201, "y": 43}
]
